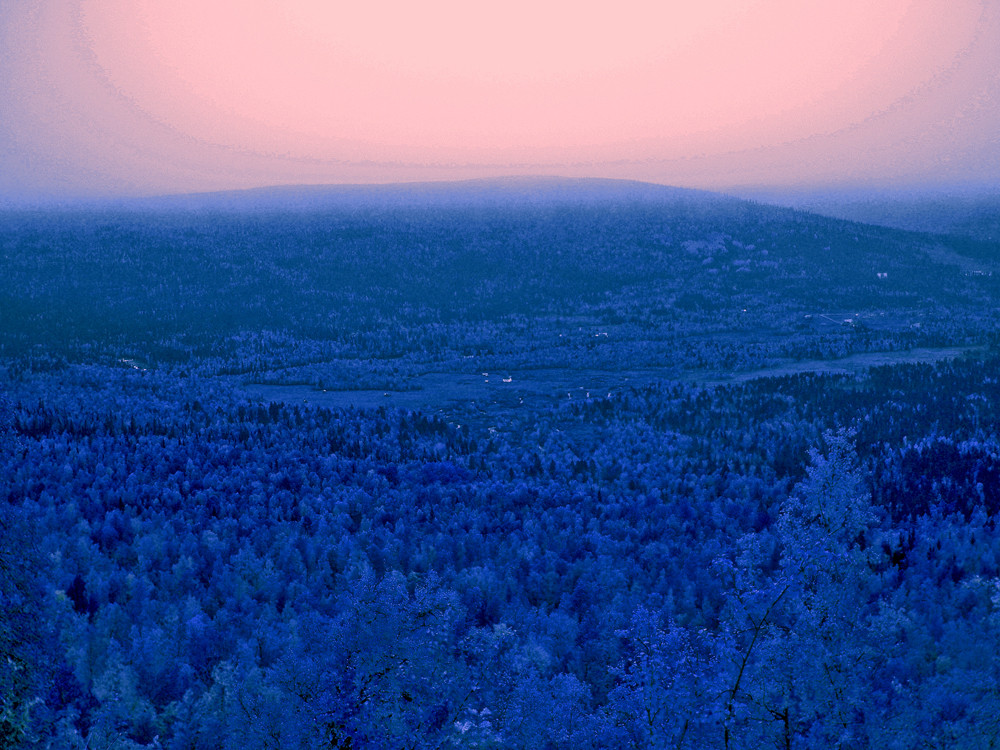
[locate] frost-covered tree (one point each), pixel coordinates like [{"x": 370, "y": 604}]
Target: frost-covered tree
[
  {"x": 803, "y": 621},
  {"x": 830, "y": 607},
  {"x": 666, "y": 686},
  {"x": 382, "y": 672}
]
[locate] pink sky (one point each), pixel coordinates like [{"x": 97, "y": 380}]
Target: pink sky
[{"x": 125, "y": 97}]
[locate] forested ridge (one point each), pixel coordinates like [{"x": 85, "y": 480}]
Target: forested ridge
[
  {"x": 800, "y": 561},
  {"x": 303, "y": 297}
]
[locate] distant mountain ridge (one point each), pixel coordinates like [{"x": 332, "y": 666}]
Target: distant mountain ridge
[
  {"x": 502, "y": 191},
  {"x": 972, "y": 213}
]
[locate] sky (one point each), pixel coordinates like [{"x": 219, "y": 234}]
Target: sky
[{"x": 144, "y": 97}]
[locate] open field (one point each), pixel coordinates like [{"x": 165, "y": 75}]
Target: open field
[{"x": 479, "y": 395}]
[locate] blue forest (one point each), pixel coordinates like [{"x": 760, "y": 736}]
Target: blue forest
[{"x": 601, "y": 467}]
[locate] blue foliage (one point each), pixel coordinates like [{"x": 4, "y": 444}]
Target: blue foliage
[{"x": 803, "y": 560}]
